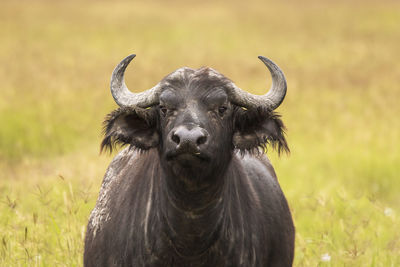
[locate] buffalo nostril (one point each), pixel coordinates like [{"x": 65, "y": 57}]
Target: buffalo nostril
[
  {"x": 175, "y": 138},
  {"x": 201, "y": 140}
]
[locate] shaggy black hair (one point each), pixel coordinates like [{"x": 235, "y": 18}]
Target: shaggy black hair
[
  {"x": 259, "y": 128},
  {"x": 256, "y": 129},
  {"x": 145, "y": 121}
]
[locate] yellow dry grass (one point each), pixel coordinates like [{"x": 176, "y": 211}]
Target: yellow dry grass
[{"x": 341, "y": 59}]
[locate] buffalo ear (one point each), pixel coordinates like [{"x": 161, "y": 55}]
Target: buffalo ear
[
  {"x": 258, "y": 128},
  {"x": 129, "y": 126}
]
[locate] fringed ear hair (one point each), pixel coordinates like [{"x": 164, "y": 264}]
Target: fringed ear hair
[
  {"x": 257, "y": 129},
  {"x": 130, "y": 126}
]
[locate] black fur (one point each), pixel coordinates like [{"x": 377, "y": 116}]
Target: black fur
[
  {"x": 123, "y": 126},
  {"x": 263, "y": 128},
  {"x": 217, "y": 203}
]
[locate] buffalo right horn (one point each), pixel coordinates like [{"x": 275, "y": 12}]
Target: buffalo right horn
[{"x": 125, "y": 98}]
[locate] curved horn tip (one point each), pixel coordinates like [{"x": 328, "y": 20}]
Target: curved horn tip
[
  {"x": 266, "y": 60},
  {"x": 128, "y": 58},
  {"x": 119, "y": 70},
  {"x": 272, "y": 66},
  {"x": 118, "y": 73}
]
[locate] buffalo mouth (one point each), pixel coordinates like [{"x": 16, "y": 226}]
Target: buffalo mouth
[{"x": 187, "y": 156}]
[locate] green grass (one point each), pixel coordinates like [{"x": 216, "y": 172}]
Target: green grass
[{"x": 341, "y": 60}]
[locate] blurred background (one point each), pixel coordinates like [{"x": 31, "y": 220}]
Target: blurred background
[{"x": 341, "y": 60}]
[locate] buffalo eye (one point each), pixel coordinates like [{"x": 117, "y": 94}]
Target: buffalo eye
[
  {"x": 163, "y": 110},
  {"x": 221, "y": 110}
]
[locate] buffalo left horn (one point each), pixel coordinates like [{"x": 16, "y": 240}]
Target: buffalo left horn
[
  {"x": 271, "y": 100},
  {"x": 125, "y": 98}
]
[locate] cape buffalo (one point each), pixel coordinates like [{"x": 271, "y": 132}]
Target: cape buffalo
[{"x": 193, "y": 187}]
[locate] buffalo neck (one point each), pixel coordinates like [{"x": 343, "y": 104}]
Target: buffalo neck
[
  {"x": 193, "y": 211},
  {"x": 194, "y": 191}
]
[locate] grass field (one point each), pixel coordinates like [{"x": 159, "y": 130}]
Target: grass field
[{"x": 342, "y": 63}]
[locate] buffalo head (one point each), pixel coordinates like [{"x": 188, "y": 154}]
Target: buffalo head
[{"x": 196, "y": 118}]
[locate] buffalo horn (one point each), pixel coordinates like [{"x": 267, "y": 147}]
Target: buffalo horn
[
  {"x": 125, "y": 98},
  {"x": 271, "y": 100}
]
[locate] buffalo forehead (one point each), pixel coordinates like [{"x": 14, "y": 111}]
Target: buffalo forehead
[{"x": 186, "y": 81}]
